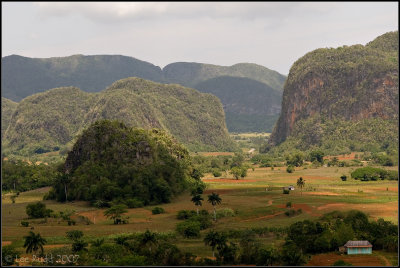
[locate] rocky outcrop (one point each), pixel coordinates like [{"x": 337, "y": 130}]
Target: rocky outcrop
[{"x": 348, "y": 83}]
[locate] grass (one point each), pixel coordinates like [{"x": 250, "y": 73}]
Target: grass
[{"x": 254, "y": 206}]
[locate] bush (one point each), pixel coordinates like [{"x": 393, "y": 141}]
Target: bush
[
  {"x": 371, "y": 173},
  {"x": 225, "y": 212},
  {"x": 25, "y": 223},
  {"x": 286, "y": 191},
  {"x": 216, "y": 173},
  {"x": 157, "y": 210},
  {"x": 189, "y": 229},
  {"x": 290, "y": 212},
  {"x": 185, "y": 214},
  {"x": 342, "y": 263},
  {"x": 290, "y": 169},
  {"x": 38, "y": 210},
  {"x": 8, "y": 255},
  {"x": 134, "y": 203},
  {"x": 289, "y": 204},
  {"x": 343, "y": 177}
]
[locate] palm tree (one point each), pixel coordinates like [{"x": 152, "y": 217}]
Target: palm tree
[
  {"x": 64, "y": 179},
  {"x": 33, "y": 242},
  {"x": 301, "y": 183},
  {"x": 211, "y": 240},
  {"x": 197, "y": 201},
  {"x": 148, "y": 239},
  {"x": 214, "y": 199}
]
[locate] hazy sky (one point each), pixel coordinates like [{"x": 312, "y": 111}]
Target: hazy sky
[{"x": 273, "y": 34}]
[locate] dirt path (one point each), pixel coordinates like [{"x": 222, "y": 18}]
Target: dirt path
[{"x": 265, "y": 217}]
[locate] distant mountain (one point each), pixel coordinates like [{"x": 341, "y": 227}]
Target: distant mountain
[
  {"x": 22, "y": 77},
  {"x": 248, "y": 104},
  {"x": 51, "y": 120},
  {"x": 343, "y": 99},
  {"x": 7, "y": 109},
  {"x": 191, "y": 73}
]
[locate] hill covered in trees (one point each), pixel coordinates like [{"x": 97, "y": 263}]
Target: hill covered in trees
[
  {"x": 342, "y": 99},
  {"x": 50, "y": 121},
  {"x": 23, "y": 76},
  {"x": 113, "y": 162},
  {"x": 7, "y": 109}
]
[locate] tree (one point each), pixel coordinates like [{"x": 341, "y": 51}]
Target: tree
[
  {"x": 300, "y": 184},
  {"x": 239, "y": 171},
  {"x": 37, "y": 210},
  {"x": 214, "y": 199},
  {"x": 214, "y": 239},
  {"x": 64, "y": 179},
  {"x": 197, "y": 201},
  {"x": 149, "y": 239},
  {"x": 74, "y": 235},
  {"x": 317, "y": 156},
  {"x": 8, "y": 255},
  {"x": 292, "y": 255},
  {"x": 115, "y": 212},
  {"x": 34, "y": 242}
]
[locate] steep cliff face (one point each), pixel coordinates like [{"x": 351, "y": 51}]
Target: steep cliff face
[{"x": 348, "y": 83}]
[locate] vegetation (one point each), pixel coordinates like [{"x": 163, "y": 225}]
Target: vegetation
[
  {"x": 37, "y": 210},
  {"x": 371, "y": 173},
  {"x": 7, "y": 109},
  {"x": 19, "y": 176},
  {"x": 112, "y": 162},
  {"x": 53, "y": 119},
  {"x": 249, "y": 105},
  {"x": 214, "y": 200},
  {"x": 336, "y": 113},
  {"x": 34, "y": 242}
]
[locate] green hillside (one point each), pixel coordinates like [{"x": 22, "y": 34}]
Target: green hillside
[
  {"x": 249, "y": 105},
  {"x": 7, "y": 110},
  {"x": 50, "y": 121},
  {"x": 354, "y": 86},
  {"x": 23, "y": 76}
]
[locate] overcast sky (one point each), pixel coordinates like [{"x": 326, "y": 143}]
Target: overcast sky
[{"x": 272, "y": 34}]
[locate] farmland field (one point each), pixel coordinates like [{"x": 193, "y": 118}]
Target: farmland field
[{"x": 257, "y": 201}]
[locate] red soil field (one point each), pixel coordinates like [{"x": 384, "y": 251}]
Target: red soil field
[{"x": 328, "y": 259}]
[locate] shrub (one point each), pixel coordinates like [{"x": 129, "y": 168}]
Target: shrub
[
  {"x": 289, "y": 204},
  {"x": 290, "y": 169},
  {"x": 225, "y": 212},
  {"x": 25, "y": 223},
  {"x": 290, "y": 212},
  {"x": 216, "y": 173},
  {"x": 157, "y": 210},
  {"x": 286, "y": 191},
  {"x": 342, "y": 263},
  {"x": 37, "y": 210},
  {"x": 188, "y": 229},
  {"x": 185, "y": 214},
  {"x": 134, "y": 203},
  {"x": 343, "y": 177},
  {"x": 8, "y": 255}
]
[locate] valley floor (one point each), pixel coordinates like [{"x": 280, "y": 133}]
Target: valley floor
[{"x": 257, "y": 200}]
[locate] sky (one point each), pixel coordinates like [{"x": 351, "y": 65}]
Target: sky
[{"x": 272, "y": 34}]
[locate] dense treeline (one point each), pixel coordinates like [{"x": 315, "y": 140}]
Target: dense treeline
[
  {"x": 113, "y": 162},
  {"x": 19, "y": 176},
  {"x": 334, "y": 229}
]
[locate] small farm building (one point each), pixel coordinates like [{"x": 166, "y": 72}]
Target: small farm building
[
  {"x": 290, "y": 187},
  {"x": 358, "y": 247}
]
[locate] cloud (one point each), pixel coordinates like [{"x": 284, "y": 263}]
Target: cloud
[{"x": 120, "y": 11}]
